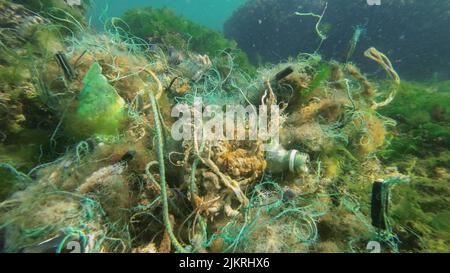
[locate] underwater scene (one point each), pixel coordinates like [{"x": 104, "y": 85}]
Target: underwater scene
[{"x": 226, "y": 126}]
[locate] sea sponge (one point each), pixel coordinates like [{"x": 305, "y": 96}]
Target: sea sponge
[{"x": 99, "y": 111}]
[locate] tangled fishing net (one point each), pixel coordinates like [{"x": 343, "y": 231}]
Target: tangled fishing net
[{"x": 118, "y": 182}]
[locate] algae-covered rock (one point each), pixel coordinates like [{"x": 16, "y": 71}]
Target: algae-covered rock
[
  {"x": 163, "y": 26},
  {"x": 100, "y": 109}
]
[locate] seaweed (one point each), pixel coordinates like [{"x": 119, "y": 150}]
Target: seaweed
[
  {"x": 422, "y": 111},
  {"x": 321, "y": 74},
  {"x": 163, "y": 26}
]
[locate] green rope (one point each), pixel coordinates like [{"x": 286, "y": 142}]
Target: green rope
[
  {"x": 156, "y": 184},
  {"x": 81, "y": 148},
  {"x": 162, "y": 173},
  {"x": 15, "y": 172}
]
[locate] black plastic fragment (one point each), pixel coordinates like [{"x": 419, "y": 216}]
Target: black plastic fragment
[
  {"x": 128, "y": 156},
  {"x": 283, "y": 73},
  {"x": 65, "y": 66},
  {"x": 379, "y": 205}
]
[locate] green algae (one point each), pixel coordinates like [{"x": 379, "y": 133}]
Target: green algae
[
  {"x": 100, "y": 110},
  {"x": 164, "y": 26}
]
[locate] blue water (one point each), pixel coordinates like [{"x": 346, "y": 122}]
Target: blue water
[{"x": 211, "y": 13}]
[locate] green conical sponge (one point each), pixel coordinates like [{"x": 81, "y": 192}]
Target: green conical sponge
[{"x": 100, "y": 109}]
